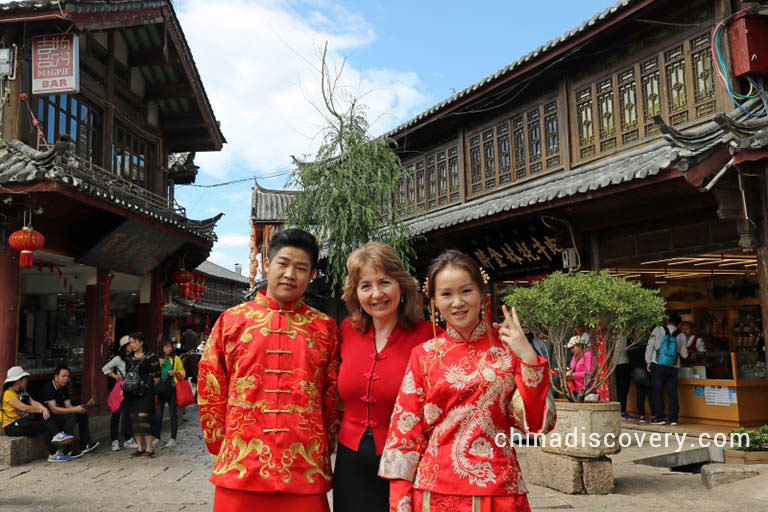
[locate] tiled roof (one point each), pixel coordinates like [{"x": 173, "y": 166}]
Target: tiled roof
[
  {"x": 539, "y": 52},
  {"x": 269, "y": 205},
  {"x": 646, "y": 161},
  {"x": 20, "y": 163},
  {"x": 213, "y": 270}
]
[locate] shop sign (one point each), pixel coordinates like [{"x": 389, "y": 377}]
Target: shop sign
[
  {"x": 55, "y": 64},
  {"x": 133, "y": 248},
  {"x": 528, "y": 250},
  {"x": 719, "y": 395}
]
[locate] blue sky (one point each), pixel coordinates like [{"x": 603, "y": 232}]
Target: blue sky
[{"x": 259, "y": 60}]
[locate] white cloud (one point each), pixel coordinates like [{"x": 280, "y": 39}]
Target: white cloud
[
  {"x": 259, "y": 61},
  {"x": 224, "y": 260},
  {"x": 232, "y": 240}
]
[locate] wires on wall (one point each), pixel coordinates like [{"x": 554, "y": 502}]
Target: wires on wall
[{"x": 755, "y": 89}]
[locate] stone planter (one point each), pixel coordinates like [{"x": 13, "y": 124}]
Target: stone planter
[
  {"x": 741, "y": 457},
  {"x": 576, "y": 422}
]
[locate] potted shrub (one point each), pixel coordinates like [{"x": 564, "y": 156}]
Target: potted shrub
[
  {"x": 753, "y": 449},
  {"x": 608, "y": 308}
]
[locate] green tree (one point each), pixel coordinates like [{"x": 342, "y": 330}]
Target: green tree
[
  {"x": 346, "y": 190},
  {"x": 607, "y": 307}
]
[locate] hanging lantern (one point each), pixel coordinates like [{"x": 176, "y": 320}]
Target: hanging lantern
[
  {"x": 27, "y": 241},
  {"x": 182, "y": 276}
]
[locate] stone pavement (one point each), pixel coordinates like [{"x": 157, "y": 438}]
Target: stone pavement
[{"x": 177, "y": 480}]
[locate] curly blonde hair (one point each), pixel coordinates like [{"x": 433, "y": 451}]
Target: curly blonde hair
[{"x": 383, "y": 257}]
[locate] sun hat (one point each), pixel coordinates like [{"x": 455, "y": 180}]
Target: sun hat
[
  {"x": 15, "y": 373},
  {"x": 575, "y": 340},
  {"x": 124, "y": 340}
]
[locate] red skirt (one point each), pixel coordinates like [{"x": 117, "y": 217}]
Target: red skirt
[{"x": 229, "y": 500}]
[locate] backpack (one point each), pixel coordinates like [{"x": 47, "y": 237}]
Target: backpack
[
  {"x": 133, "y": 383},
  {"x": 666, "y": 354}
]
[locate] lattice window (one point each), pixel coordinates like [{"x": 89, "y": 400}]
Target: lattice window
[
  {"x": 677, "y": 92},
  {"x": 67, "y": 114},
  {"x": 131, "y": 156},
  {"x": 651, "y": 94},
  {"x": 584, "y": 119},
  {"x": 505, "y": 158},
  {"x": 430, "y": 183},
  {"x": 551, "y": 134},
  {"x": 628, "y": 106},
  {"x": 476, "y": 174},
  {"x": 527, "y": 144},
  {"x": 676, "y": 83},
  {"x": 703, "y": 77},
  {"x": 453, "y": 173}
]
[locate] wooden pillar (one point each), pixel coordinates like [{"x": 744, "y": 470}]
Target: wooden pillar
[
  {"x": 150, "y": 323},
  {"x": 95, "y": 351},
  {"x": 10, "y": 300},
  {"x": 762, "y": 255}
]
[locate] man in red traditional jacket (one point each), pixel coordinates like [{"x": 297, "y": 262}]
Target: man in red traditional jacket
[{"x": 267, "y": 390}]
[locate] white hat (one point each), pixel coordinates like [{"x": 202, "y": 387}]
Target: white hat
[
  {"x": 124, "y": 340},
  {"x": 15, "y": 373},
  {"x": 575, "y": 340}
]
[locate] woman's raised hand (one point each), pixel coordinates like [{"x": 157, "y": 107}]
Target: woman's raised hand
[{"x": 511, "y": 333}]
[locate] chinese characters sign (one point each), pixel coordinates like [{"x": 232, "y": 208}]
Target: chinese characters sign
[
  {"x": 55, "y": 64},
  {"x": 133, "y": 248},
  {"x": 527, "y": 250}
]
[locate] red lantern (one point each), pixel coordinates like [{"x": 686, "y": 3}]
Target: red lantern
[
  {"x": 182, "y": 276},
  {"x": 27, "y": 241}
]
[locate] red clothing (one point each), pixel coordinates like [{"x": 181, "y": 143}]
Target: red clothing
[
  {"x": 369, "y": 381},
  {"x": 267, "y": 396},
  {"x": 456, "y": 396},
  {"x": 229, "y": 500}
]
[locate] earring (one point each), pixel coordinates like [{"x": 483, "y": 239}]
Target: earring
[{"x": 402, "y": 299}]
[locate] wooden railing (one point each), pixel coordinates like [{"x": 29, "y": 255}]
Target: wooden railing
[{"x": 113, "y": 184}]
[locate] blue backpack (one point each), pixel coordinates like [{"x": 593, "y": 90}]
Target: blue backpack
[{"x": 666, "y": 355}]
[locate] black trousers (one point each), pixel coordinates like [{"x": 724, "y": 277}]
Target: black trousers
[
  {"x": 170, "y": 399},
  {"x": 67, "y": 422},
  {"x": 357, "y": 487},
  {"x": 642, "y": 392},
  {"x": 664, "y": 377},
  {"x": 623, "y": 372},
  {"x": 34, "y": 426},
  {"x": 114, "y": 423}
]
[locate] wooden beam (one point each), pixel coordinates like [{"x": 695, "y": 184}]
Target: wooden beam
[
  {"x": 184, "y": 122},
  {"x": 197, "y": 143},
  {"x": 155, "y": 58},
  {"x": 107, "y": 20},
  {"x": 169, "y": 91}
]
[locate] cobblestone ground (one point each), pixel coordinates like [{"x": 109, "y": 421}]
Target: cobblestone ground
[{"x": 175, "y": 480}]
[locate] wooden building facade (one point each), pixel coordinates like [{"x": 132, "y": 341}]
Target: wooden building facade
[{"x": 617, "y": 140}]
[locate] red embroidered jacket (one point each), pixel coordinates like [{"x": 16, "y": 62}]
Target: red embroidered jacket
[
  {"x": 455, "y": 397},
  {"x": 268, "y": 398},
  {"x": 369, "y": 380}
]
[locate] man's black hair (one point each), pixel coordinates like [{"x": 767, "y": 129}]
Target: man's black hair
[
  {"x": 61, "y": 366},
  {"x": 137, "y": 335},
  {"x": 295, "y": 238},
  {"x": 675, "y": 319}
]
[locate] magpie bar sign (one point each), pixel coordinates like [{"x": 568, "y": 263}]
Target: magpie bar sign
[{"x": 55, "y": 64}]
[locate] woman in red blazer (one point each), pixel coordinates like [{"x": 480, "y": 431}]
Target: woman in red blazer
[{"x": 376, "y": 342}]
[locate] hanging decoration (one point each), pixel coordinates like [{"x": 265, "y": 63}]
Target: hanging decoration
[
  {"x": 108, "y": 335},
  {"x": 27, "y": 241}
]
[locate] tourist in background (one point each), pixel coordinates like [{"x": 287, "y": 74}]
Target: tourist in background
[
  {"x": 171, "y": 369},
  {"x": 142, "y": 368},
  {"x": 115, "y": 370}
]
